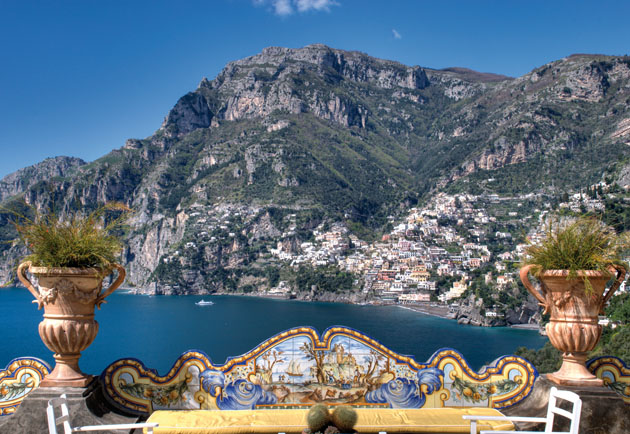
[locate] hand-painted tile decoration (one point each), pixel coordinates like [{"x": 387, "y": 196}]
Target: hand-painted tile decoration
[
  {"x": 505, "y": 382},
  {"x": 298, "y": 368},
  {"x": 18, "y": 379},
  {"x": 614, "y": 372}
]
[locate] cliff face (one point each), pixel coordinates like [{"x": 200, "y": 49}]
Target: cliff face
[
  {"x": 472, "y": 312},
  {"x": 22, "y": 180},
  {"x": 190, "y": 113},
  {"x": 290, "y": 80},
  {"x": 556, "y": 112},
  {"x": 286, "y": 139}
]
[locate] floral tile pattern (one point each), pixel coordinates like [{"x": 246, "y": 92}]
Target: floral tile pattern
[
  {"x": 18, "y": 379},
  {"x": 614, "y": 372}
]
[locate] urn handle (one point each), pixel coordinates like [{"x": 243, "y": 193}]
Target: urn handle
[
  {"x": 530, "y": 288},
  {"x": 621, "y": 275},
  {"x": 21, "y": 274},
  {"x": 119, "y": 280}
]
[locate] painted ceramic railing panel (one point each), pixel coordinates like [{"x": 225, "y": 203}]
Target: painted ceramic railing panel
[
  {"x": 18, "y": 379},
  {"x": 134, "y": 387},
  {"x": 298, "y": 368},
  {"x": 505, "y": 382},
  {"x": 614, "y": 372}
]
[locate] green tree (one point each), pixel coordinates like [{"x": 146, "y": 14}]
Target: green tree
[
  {"x": 619, "y": 308},
  {"x": 273, "y": 275},
  {"x": 614, "y": 342},
  {"x": 547, "y": 359}
]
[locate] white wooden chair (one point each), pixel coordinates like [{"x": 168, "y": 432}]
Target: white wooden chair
[
  {"x": 64, "y": 419},
  {"x": 552, "y": 411}
]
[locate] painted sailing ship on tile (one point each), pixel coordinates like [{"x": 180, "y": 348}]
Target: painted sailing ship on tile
[
  {"x": 299, "y": 373},
  {"x": 294, "y": 369},
  {"x": 298, "y": 368}
]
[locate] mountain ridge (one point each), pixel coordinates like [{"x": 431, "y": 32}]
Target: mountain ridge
[{"x": 335, "y": 136}]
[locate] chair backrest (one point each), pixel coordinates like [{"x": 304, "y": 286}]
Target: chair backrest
[
  {"x": 553, "y": 409},
  {"x": 64, "y": 419}
]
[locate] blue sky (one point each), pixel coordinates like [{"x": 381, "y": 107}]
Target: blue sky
[{"x": 80, "y": 77}]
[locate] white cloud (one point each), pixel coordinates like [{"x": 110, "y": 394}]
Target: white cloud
[
  {"x": 282, "y": 7},
  {"x": 396, "y": 34},
  {"x": 288, "y": 7},
  {"x": 318, "y": 5}
]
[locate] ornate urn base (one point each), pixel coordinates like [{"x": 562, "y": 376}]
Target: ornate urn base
[
  {"x": 573, "y": 372},
  {"x": 68, "y": 296},
  {"x": 573, "y": 326}
]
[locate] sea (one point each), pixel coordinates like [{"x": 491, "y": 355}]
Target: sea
[{"x": 158, "y": 329}]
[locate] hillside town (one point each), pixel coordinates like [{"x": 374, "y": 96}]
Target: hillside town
[{"x": 434, "y": 253}]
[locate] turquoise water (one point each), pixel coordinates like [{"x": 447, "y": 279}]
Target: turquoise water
[{"x": 157, "y": 330}]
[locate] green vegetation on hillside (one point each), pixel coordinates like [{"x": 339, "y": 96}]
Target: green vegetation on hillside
[{"x": 333, "y": 143}]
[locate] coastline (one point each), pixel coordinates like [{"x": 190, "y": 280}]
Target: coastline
[
  {"x": 431, "y": 309},
  {"x": 526, "y": 326},
  {"x": 426, "y": 308}
]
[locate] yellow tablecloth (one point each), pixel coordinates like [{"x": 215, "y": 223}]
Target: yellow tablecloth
[{"x": 430, "y": 420}]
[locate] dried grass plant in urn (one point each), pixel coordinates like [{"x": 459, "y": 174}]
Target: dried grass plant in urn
[
  {"x": 574, "y": 263},
  {"x": 70, "y": 257}
]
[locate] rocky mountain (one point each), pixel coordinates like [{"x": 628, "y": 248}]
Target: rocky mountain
[
  {"x": 471, "y": 312},
  {"x": 288, "y": 139},
  {"x": 26, "y": 178}
]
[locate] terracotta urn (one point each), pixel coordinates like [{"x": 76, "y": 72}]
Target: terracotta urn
[
  {"x": 573, "y": 326},
  {"x": 68, "y": 296}
]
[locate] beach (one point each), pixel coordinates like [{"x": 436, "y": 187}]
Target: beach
[{"x": 432, "y": 309}]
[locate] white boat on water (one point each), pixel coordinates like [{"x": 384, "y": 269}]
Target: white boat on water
[{"x": 204, "y": 303}]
